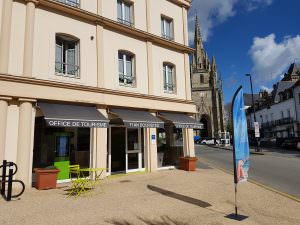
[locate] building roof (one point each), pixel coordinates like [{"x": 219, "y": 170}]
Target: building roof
[
  {"x": 248, "y": 99},
  {"x": 281, "y": 87}
]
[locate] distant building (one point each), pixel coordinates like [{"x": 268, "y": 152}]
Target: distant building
[
  {"x": 206, "y": 89},
  {"x": 277, "y": 112}
]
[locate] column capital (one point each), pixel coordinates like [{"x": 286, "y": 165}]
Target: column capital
[
  {"x": 5, "y": 98},
  {"x": 27, "y": 100},
  {"x": 36, "y": 2}
]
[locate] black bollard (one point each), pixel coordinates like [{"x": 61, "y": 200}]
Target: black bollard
[
  {"x": 3, "y": 180},
  {"x": 9, "y": 188}
]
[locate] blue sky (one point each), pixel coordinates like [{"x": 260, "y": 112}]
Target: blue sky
[{"x": 261, "y": 37}]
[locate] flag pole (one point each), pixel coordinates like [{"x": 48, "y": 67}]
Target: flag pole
[{"x": 234, "y": 159}]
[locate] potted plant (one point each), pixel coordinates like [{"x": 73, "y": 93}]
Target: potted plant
[
  {"x": 187, "y": 163},
  {"x": 46, "y": 177}
]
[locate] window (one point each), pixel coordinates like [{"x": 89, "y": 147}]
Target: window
[
  {"x": 299, "y": 98},
  {"x": 201, "y": 78},
  {"x": 267, "y": 119},
  {"x": 282, "y": 115},
  {"x": 288, "y": 113},
  {"x": 169, "y": 78},
  {"x": 167, "y": 28},
  {"x": 73, "y": 3},
  {"x": 67, "y": 56},
  {"x": 272, "y": 116},
  {"x": 125, "y": 12},
  {"x": 126, "y": 68}
]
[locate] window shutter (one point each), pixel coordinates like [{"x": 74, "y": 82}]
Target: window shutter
[
  {"x": 58, "y": 58},
  {"x": 168, "y": 29},
  {"x": 129, "y": 66},
  {"x": 127, "y": 13},
  {"x": 121, "y": 64},
  {"x": 71, "y": 61},
  {"x": 120, "y": 10},
  {"x": 172, "y": 30},
  {"x": 162, "y": 27}
]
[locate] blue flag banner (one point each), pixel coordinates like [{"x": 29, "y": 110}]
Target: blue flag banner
[{"x": 240, "y": 138}]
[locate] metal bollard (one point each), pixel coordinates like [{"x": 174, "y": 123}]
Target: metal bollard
[{"x": 3, "y": 180}]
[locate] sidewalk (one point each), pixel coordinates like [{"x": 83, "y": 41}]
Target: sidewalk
[{"x": 170, "y": 197}]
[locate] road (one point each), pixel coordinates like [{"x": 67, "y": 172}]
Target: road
[{"x": 277, "y": 170}]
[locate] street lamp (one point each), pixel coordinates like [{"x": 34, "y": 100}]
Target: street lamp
[{"x": 257, "y": 139}]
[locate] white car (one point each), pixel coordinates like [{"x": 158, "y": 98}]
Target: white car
[{"x": 210, "y": 142}]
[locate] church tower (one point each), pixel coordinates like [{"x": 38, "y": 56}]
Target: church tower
[{"x": 206, "y": 91}]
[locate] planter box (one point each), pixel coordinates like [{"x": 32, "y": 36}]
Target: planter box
[
  {"x": 188, "y": 163},
  {"x": 45, "y": 178}
]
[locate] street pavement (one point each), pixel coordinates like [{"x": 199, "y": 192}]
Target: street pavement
[{"x": 277, "y": 169}]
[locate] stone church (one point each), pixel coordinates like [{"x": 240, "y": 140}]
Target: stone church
[{"x": 206, "y": 89}]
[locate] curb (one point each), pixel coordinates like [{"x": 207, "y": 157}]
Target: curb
[
  {"x": 227, "y": 149},
  {"x": 292, "y": 197}
]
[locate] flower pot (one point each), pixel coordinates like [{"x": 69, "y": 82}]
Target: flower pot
[
  {"x": 45, "y": 178},
  {"x": 188, "y": 163}
]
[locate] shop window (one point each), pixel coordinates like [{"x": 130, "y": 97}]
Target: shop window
[
  {"x": 125, "y": 12},
  {"x": 169, "y": 78},
  {"x": 67, "y": 56},
  {"x": 73, "y": 3},
  {"x": 167, "y": 29},
  {"x": 126, "y": 69}
]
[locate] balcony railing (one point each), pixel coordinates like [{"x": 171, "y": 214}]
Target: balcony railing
[
  {"x": 279, "y": 122},
  {"x": 126, "y": 22},
  {"x": 67, "y": 70},
  {"x": 168, "y": 37},
  {"x": 126, "y": 80},
  {"x": 73, "y": 3}
]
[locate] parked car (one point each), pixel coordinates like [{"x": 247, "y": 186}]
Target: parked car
[
  {"x": 210, "y": 141},
  {"x": 197, "y": 139}
]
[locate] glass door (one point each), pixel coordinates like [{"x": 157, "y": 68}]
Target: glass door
[{"x": 133, "y": 150}]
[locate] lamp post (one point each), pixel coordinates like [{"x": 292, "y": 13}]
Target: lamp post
[{"x": 257, "y": 139}]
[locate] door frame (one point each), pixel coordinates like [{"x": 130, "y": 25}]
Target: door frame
[{"x": 140, "y": 168}]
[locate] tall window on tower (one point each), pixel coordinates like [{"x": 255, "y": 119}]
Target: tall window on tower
[
  {"x": 169, "y": 78},
  {"x": 126, "y": 69},
  {"x": 167, "y": 29},
  {"x": 201, "y": 78},
  {"x": 67, "y": 56},
  {"x": 125, "y": 12}
]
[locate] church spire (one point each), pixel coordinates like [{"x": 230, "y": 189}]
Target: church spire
[
  {"x": 199, "y": 53},
  {"x": 197, "y": 38},
  {"x": 213, "y": 64}
]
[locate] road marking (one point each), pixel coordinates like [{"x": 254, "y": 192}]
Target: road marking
[{"x": 253, "y": 181}]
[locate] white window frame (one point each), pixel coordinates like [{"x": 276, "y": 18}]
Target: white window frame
[
  {"x": 169, "y": 67},
  {"x": 124, "y": 55},
  {"x": 121, "y": 18},
  {"x": 64, "y": 55},
  {"x": 165, "y": 20}
]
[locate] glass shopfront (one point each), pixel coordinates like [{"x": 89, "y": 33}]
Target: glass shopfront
[
  {"x": 169, "y": 146},
  {"x": 61, "y": 147}
]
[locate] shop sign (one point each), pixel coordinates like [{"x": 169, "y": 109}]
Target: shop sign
[
  {"x": 143, "y": 125},
  {"x": 188, "y": 126},
  {"x": 76, "y": 123},
  {"x": 153, "y": 139},
  {"x": 256, "y": 129}
]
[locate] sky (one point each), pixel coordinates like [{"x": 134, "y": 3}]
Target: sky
[{"x": 260, "y": 37}]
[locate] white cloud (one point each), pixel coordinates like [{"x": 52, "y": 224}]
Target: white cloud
[
  {"x": 269, "y": 90},
  {"x": 271, "y": 59},
  {"x": 215, "y": 12}
]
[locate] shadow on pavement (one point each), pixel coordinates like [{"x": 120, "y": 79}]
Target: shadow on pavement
[
  {"x": 179, "y": 196},
  {"x": 164, "y": 220}
]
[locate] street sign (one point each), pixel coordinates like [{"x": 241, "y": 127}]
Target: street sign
[{"x": 256, "y": 129}]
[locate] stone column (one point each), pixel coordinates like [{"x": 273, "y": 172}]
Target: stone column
[
  {"x": 29, "y": 37},
  {"x": 148, "y": 15},
  {"x": 185, "y": 29},
  {"x": 5, "y": 35},
  {"x": 188, "y": 90},
  {"x": 188, "y": 142},
  {"x": 100, "y": 55},
  {"x": 3, "y": 123},
  {"x": 152, "y": 150},
  {"x": 150, "y": 68},
  {"x": 101, "y": 144},
  {"x": 24, "y": 152}
]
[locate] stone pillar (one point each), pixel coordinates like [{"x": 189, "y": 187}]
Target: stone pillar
[
  {"x": 3, "y": 123},
  {"x": 185, "y": 24},
  {"x": 24, "y": 152},
  {"x": 148, "y": 15},
  {"x": 5, "y": 35},
  {"x": 101, "y": 145},
  {"x": 100, "y": 56},
  {"x": 188, "y": 90},
  {"x": 188, "y": 142},
  {"x": 99, "y": 7},
  {"x": 151, "y": 150},
  {"x": 29, "y": 37},
  {"x": 150, "y": 68}
]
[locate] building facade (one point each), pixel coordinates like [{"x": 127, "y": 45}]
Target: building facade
[
  {"x": 94, "y": 82},
  {"x": 206, "y": 89},
  {"x": 277, "y": 112}
]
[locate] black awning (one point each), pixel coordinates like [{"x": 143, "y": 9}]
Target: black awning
[
  {"x": 61, "y": 115},
  {"x": 137, "y": 119},
  {"x": 181, "y": 120}
]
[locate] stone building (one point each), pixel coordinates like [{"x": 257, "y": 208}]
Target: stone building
[
  {"x": 206, "y": 89},
  {"x": 98, "y": 83}
]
